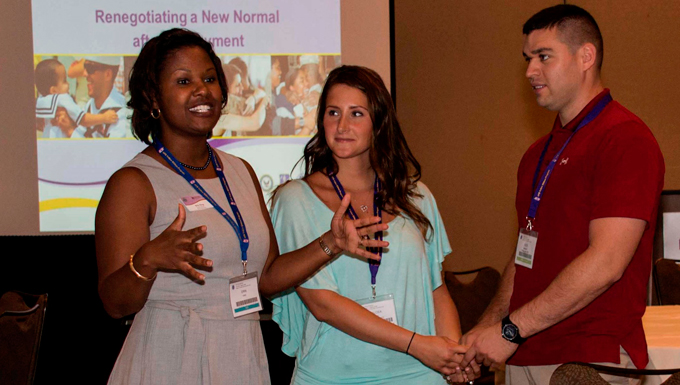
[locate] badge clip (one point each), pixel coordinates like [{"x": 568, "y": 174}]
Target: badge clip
[
  {"x": 245, "y": 268},
  {"x": 373, "y": 290}
]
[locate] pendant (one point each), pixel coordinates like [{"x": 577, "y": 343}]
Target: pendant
[{"x": 364, "y": 208}]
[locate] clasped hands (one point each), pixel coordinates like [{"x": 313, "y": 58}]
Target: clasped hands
[
  {"x": 487, "y": 346},
  {"x": 460, "y": 362},
  {"x": 445, "y": 356}
]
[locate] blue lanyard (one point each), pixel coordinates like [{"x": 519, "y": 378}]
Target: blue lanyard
[
  {"x": 240, "y": 226},
  {"x": 540, "y": 188},
  {"x": 373, "y": 266}
]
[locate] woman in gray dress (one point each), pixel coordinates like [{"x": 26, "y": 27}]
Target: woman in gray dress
[{"x": 181, "y": 224}]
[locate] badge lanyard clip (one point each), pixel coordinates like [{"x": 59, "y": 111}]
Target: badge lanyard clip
[
  {"x": 245, "y": 267},
  {"x": 530, "y": 224}
]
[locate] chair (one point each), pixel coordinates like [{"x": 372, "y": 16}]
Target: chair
[
  {"x": 667, "y": 281},
  {"x": 573, "y": 373},
  {"x": 471, "y": 299},
  {"x": 21, "y": 323}
]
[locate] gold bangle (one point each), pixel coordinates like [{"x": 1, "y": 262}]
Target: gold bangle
[{"x": 132, "y": 267}]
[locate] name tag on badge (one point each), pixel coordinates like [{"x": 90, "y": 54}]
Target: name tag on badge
[
  {"x": 526, "y": 247},
  {"x": 382, "y": 306},
  {"x": 196, "y": 203},
  {"x": 243, "y": 295}
]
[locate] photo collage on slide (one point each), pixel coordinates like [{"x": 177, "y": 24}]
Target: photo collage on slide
[{"x": 269, "y": 95}]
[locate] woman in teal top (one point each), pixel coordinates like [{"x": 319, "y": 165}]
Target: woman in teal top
[{"x": 407, "y": 330}]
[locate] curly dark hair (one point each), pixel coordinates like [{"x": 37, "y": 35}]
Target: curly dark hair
[
  {"x": 144, "y": 83},
  {"x": 391, "y": 158}
]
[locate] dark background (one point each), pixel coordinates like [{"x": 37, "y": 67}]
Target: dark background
[{"x": 80, "y": 341}]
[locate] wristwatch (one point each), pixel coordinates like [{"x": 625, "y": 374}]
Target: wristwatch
[{"x": 510, "y": 331}]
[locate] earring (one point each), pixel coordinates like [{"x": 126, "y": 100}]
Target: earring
[{"x": 157, "y": 115}]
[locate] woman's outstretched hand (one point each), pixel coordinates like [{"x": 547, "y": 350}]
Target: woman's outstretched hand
[
  {"x": 176, "y": 250},
  {"x": 354, "y": 236}
]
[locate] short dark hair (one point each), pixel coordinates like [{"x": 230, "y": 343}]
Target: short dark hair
[
  {"x": 292, "y": 75},
  {"x": 240, "y": 64},
  {"x": 230, "y": 71},
  {"x": 46, "y": 75},
  {"x": 390, "y": 156},
  {"x": 144, "y": 85},
  {"x": 575, "y": 25}
]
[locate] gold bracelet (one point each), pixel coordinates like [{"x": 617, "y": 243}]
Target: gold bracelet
[{"x": 132, "y": 267}]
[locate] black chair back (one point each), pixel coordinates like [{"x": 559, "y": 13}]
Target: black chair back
[
  {"x": 667, "y": 281},
  {"x": 472, "y": 298},
  {"x": 21, "y": 323}
]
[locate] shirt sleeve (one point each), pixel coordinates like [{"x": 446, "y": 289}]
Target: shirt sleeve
[
  {"x": 628, "y": 174},
  {"x": 72, "y": 109},
  {"x": 437, "y": 244},
  {"x": 295, "y": 226}
]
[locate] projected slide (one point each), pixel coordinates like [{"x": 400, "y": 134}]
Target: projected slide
[{"x": 275, "y": 54}]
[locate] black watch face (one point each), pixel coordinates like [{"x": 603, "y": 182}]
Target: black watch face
[{"x": 509, "y": 332}]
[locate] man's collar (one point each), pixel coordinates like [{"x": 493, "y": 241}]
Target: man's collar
[
  {"x": 114, "y": 100},
  {"x": 571, "y": 126}
]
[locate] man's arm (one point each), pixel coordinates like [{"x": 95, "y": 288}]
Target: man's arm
[
  {"x": 106, "y": 117},
  {"x": 613, "y": 242}
]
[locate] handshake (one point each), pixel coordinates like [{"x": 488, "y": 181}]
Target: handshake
[{"x": 459, "y": 362}]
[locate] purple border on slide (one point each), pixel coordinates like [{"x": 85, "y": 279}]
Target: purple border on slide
[{"x": 92, "y": 162}]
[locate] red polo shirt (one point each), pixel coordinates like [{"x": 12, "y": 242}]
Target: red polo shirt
[{"x": 612, "y": 167}]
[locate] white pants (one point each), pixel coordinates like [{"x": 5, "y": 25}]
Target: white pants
[{"x": 540, "y": 375}]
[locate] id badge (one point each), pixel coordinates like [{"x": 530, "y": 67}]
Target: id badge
[
  {"x": 382, "y": 306},
  {"x": 243, "y": 294},
  {"x": 526, "y": 247},
  {"x": 196, "y": 203}
]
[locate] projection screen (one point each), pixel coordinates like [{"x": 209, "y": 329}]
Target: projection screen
[{"x": 64, "y": 87}]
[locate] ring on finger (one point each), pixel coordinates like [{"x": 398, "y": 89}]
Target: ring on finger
[{"x": 363, "y": 239}]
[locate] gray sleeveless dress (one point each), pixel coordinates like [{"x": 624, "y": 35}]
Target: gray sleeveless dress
[{"x": 186, "y": 334}]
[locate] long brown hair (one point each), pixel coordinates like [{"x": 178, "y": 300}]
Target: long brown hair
[{"x": 390, "y": 156}]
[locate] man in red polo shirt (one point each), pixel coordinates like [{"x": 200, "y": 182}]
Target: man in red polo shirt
[{"x": 587, "y": 196}]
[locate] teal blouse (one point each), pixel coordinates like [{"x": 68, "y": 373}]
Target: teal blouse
[{"x": 410, "y": 270}]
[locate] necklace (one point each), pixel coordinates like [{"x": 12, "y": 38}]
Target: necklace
[{"x": 207, "y": 162}]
